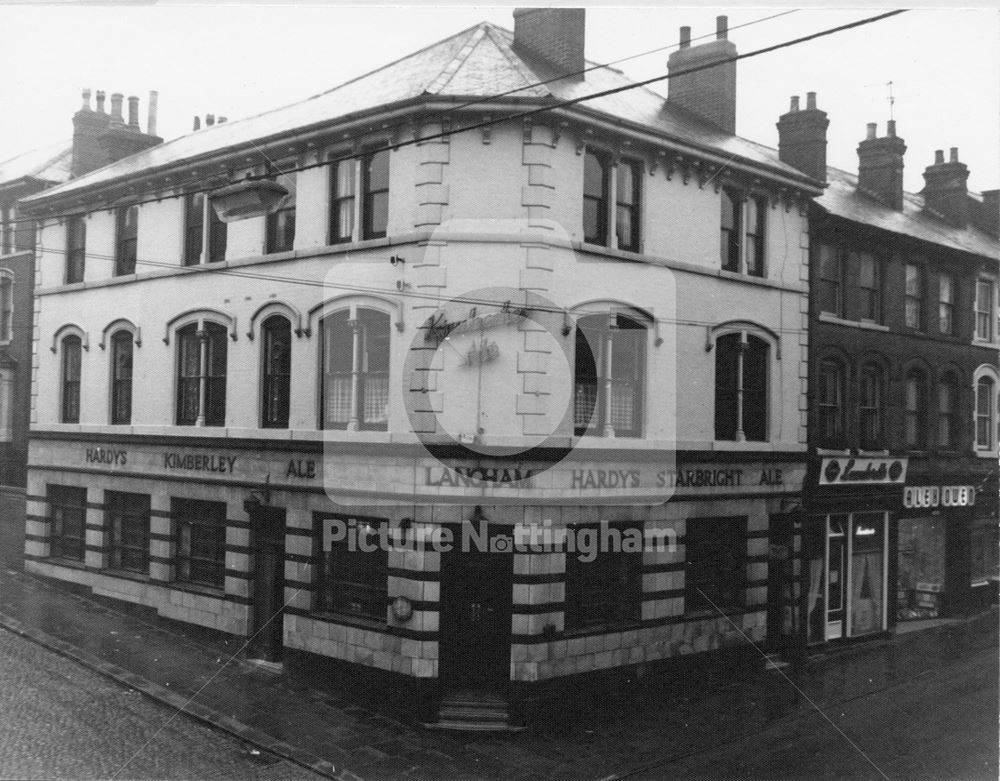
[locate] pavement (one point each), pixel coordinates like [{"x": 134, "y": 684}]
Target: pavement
[{"x": 702, "y": 725}]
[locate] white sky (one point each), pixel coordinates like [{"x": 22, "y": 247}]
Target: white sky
[{"x": 238, "y": 59}]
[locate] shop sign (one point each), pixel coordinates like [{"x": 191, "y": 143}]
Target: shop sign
[
  {"x": 862, "y": 471},
  {"x": 920, "y": 496}
]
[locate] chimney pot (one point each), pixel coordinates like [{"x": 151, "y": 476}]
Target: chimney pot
[
  {"x": 938, "y": 157},
  {"x": 222, "y": 119},
  {"x": 880, "y": 166},
  {"x": 871, "y": 131},
  {"x": 890, "y": 128},
  {"x": 685, "y": 36},
  {"x": 795, "y": 104},
  {"x": 86, "y": 100},
  {"x": 197, "y": 123},
  {"x": 954, "y": 154},
  {"x": 100, "y": 101},
  {"x": 151, "y": 120},
  {"x": 116, "y": 106},
  {"x": 703, "y": 78},
  {"x": 133, "y": 111},
  {"x": 811, "y": 101},
  {"x": 209, "y": 120},
  {"x": 721, "y": 27}
]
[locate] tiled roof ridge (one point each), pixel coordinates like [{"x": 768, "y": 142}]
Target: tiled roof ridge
[
  {"x": 448, "y": 72},
  {"x": 64, "y": 147},
  {"x": 503, "y": 39}
]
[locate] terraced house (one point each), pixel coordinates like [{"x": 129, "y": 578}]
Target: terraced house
[{"x": 393, "y": 305}]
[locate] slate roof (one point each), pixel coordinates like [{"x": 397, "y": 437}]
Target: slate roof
[
  {"x": 49, "y": 163},
  {"x": 475, "y": 63},
  {"x": 842, "y": 199}
]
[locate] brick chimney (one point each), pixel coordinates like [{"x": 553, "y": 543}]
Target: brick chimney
[
  {"x": 555, "y": 35},
  {"x": 709, "y": 93},
  {"x": 880, "y": 166},
  {"x": 986, "y": 215},
  {"x": 946, "y": 191},
  {"x": 802, "y": 138},
  {"x": 100, "y": 138}
]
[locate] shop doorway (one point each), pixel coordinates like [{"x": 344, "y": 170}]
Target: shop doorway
[
  {"x": 267, "y": 530},
  {"x": 784, "y": 614},
  {"x": 921, "y": 568},
  {"x": 847, "y": 578},
  {"x": 476, "y": 615}
]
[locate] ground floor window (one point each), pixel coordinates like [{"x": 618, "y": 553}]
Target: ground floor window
[
  {"x": 352, "y": 576},
  {"x": 127, "y": 520},
  {"x": 921, "y": 567},
  {"x": 985, "y": 567},
  {"x": 68, "y": 515},
  {"x": 603, "y": 589},
  {"x": 715, "y": 568},
  {"x": 847, "y": 573},
  {"x": 200, "y": 529}
]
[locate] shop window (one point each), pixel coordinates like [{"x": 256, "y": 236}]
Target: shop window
[
  {"x": 605, "y": 591},
  {"x": 121, "y": 377},
  {"x": 715, "y": 569},
  {"x": 741, "y": 388},
  {"x": 198, "y": 207},
  {"x": 831, "y": 402},
  {"x": 276, "y": 343},
  {"x": 609, "y": 375},
  {"x": 352, "y": 577},
  {"x": 281, "y": 222},
  {"x": 375, "y": 194},
  {"x": 355, "y": 370},
  {"x": 915, "y": 410},
  {"x": 76, "y": 249},
  {"x": 914, "y": 298},
  {"x": 6, "y": 306},
  {"x": 71, "y": 359},
  {"x": 984, "y": 310},
  {"x": 869, "y": 286},
  {"x": 831, "y": 280},
  {"x": 201, "y": 375},
  {"x": 200, "y": 534},
  {"x": 68, "y": 516},
  {"x": 985, "y": 399},
  {"x": 871, "y": 400},
  {"x": 921, "y": 568},
  {"x": 947, "y": 414},
  {"x": 946, "y": 304},
  {"x": 126, "y": 239},
  {"x": 126, "y": 516}
]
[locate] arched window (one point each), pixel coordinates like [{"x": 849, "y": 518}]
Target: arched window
[
  {"x": 985, "y": 399},
  {"x": 355, "y": 370},
  {"x": 71, "y": 356},
  {"x": 947, "y": 419},
  {"x": 871, "y": 403},
  {"x": 915, "y": 409},
  {"x": 201, "y": 375},
  {"x": 741, "y": 387},
  {"x": 276, "y": 346},
  {"x": 610, "y": 372},
  {"x": 121, "y": 377},
  {"x": 6, "y": 306},
  {"x": 831, "y": 402}
]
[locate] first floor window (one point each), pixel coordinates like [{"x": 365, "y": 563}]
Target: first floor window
[
  {"x": 6, "y": 305},
  {"x": 596, "y": 177},
  {"x": 355, "y": 356},
  {"x": 715, "y": 570},
  {"x": 756, "y": 218},
  {"x": 627, "y": 214},
  {"x": 915, "y": 409},
  {"x": 984, "y": 310},
  {"x": 200, "y": 530},
  {"x": 6, "y": 406},
  {"x": 946, "y": 303},
  {"x": 353, "y": 579},
  {"x": 201, "y": 375},
  {"x": 870, "y": 406},
  {"x": 343, "y": 193},
  {"x": 71, "y": 357},
  {"x": 121, "y": 377},
  {"x": 375, "y": 195},
  {"x": 198, "y": 209},
  {"x": 606, "y": 591},
  {"x": 68, "y": 516},
  {"x": 729, "y": 248},
  {"x": 870, "y": 286},
  {"x": 8, "y": 230},
  {"x": 126, "y": 239},
  {"x": 947, "y": 418},
  {"x": 741, "y": 388},
  {"x": 984, "y": 413},
  {"x": 277, "y": 346},
  {"x": 609, "y": 375},
  {"x": 76, "y": 249},
  {"x": 831, "y": 275},
  {"x": 914, "y": 298},
  {"x": 127, "y": 519},
  {"x": 281, "y": 223},
  {"x": 831, "y": 401}
]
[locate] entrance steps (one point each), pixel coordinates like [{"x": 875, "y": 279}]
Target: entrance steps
[{"x": 473, "y": 711}]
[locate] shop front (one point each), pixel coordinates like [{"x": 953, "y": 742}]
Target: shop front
[{"x": 847, "y": 541}]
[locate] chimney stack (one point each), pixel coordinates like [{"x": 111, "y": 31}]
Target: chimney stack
[
  {"x": 986, "y": 215},
  {"x": 197, "y": 123},
  {"x": 153, "y": 108},
  {"x": 710, "y": 93},
  {"x": 802, "y": 138},
  {"x": 116, "y": 107},
  {"x": 946, "y": 191},
  {"x": 555, "y": 35},
  {"x": 133, "y": 111},
  {"x": 880, "y": 166},
  {"x": 100, "y": 101},
  {"x": 209, "y": 120},
  {"x": 100, "y": 138}
]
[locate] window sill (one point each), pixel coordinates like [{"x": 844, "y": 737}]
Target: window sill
[
  {"x": 345, "y": 619},
  {"x": 702, "y": 615},
  {"x": 976, "y": 342},
  {"x": 195, "y": 588},
  {"x": 61, "y": 561},
  {"x": 125, "y": 574},
  {"x": 597, "y": 629},
  {"x": 868, "y": 325}
]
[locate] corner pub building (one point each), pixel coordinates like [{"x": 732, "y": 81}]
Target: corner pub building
[{"x": 594, "y": 316}]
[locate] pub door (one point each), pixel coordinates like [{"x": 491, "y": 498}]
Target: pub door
[
  {"x": 783, "y": 587},
  {"x": 267, "y": 529},
  {"x": 476, "y": 618}
]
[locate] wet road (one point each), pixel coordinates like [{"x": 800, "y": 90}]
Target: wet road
[{"x": 58, "y": 720}]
